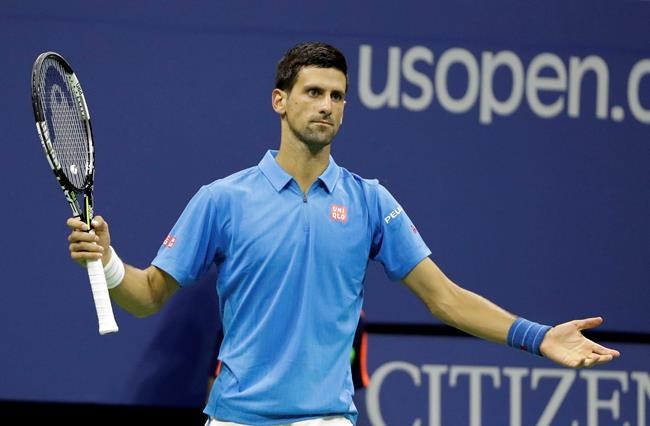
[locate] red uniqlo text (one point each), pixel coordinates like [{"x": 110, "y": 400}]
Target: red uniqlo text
[
  {"x": 169, "y": 241},
  {"x": 339, "y": 213}
]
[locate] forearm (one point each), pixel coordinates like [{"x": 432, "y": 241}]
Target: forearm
[
  {"x": 473, "y": 314},
  {"x": 458, "y": 307},
  {"x": 142, "y": 292},
  {"x": 134, "y": 293}
]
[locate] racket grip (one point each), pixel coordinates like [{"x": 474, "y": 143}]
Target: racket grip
[{"x": 101, "y": 297}]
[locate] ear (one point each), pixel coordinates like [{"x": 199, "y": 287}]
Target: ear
[{"x": 279, "y": 101}]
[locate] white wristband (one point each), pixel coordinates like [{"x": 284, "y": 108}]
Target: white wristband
[{"x": 114, "y": 270}]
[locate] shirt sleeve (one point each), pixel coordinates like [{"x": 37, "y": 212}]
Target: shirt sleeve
[
  {"x": 192, "y": 245},
  {"x": 396, "y": 242}
]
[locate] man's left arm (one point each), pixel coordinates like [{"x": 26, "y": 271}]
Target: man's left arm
[{"x": 475, "y": 315}]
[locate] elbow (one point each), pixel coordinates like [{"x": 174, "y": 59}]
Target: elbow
[
  {"x": 142, "y": 293},
  {"x": 142, "y": 311},
  {"x": 157, "y": 295},
  {"x": 148, "y": 309}
]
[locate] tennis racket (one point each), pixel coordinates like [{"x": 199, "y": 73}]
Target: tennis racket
[{"x": 63, "y": 124}]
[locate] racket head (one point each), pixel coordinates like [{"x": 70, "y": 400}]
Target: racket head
[{"x": 63, "y": 122}]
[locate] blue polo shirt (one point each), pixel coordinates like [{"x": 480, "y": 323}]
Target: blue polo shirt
[{"x": 291, "y": 269}]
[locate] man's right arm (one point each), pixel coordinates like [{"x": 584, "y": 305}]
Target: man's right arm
[{"x": 142, "y": 292}]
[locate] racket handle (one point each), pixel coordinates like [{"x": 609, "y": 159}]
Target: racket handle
[{"x": 103, "y": 305}]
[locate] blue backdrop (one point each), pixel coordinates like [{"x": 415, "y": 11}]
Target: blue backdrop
[{"x": 516, "y": 136}]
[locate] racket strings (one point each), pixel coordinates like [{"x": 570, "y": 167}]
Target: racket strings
[{"x": 66, "y": 126}]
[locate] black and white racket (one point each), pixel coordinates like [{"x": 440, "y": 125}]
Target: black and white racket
[{"x": 63, "y": 124}]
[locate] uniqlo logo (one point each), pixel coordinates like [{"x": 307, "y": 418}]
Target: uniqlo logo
[
  {"x": 339, "y": 213},
  {"x": 169, "y": 241}
]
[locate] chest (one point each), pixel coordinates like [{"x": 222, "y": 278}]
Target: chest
[{"x": 330, "y": 229}]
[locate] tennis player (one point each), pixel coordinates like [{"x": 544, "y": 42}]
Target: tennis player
[{"x": 291, "y": 238}]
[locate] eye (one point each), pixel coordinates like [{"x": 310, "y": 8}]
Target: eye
[
  {"x": 313, "y": 92},
  {"x": 337, "y": 96}
]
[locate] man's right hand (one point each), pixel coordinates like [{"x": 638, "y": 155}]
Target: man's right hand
[
  {"x": 84, "y": 245},
  {"x": 142, "y": 292}
]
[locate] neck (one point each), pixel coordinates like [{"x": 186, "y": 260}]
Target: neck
[{"x": 303, "y": 163}]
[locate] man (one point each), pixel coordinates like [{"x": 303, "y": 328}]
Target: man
[{"x": 291, "y": 238}]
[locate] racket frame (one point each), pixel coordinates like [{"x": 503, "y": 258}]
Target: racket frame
[
  {"x": 95, "y": 269},
  {"x": 69, "y": 189}
]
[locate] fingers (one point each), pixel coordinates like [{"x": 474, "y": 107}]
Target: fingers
[
  {"x": 75, "y": 223},
  {"x": 586, "y": 361},
  {"x": 86, "y": 251},
  {"x": 84, "y": 245},
  {"x": 598, "y": 354},
  {"x": 596, "y": 359},
  {"x": 566, "y": 345},
  {"x": 601, "y": 350},
  {"x": 98, "y": 222},
  {"x": 587, "y": 323}
]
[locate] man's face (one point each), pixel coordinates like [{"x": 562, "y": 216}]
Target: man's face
[{"x": 314, "y": 106}]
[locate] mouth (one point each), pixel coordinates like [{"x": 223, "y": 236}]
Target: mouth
[{"x": 323, "y": 122}]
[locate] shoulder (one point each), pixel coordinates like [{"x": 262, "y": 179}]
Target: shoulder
[
  {"x": 352, "y": 179},
  {"x": 238, "y": 179},
  {"x": 225, "y": 189},
  {"x": 243, "y": 180},
  {"x": 369, "y": 192},
  {"x": 371, "y": 188}
]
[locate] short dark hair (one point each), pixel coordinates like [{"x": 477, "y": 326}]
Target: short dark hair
[{"x": 309, "y": 54}]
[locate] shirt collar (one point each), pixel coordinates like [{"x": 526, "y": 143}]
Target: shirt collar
[
  {"x": 273, "y": 172},
  {"x": 331, "y": 175},
  {"x": 279, "y": 178}
]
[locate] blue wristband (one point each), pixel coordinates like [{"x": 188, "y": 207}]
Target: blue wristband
[{"x": 527, "y": 335}]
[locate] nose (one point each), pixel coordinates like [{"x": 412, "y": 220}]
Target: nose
[{"x": 326, "y": 105}]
